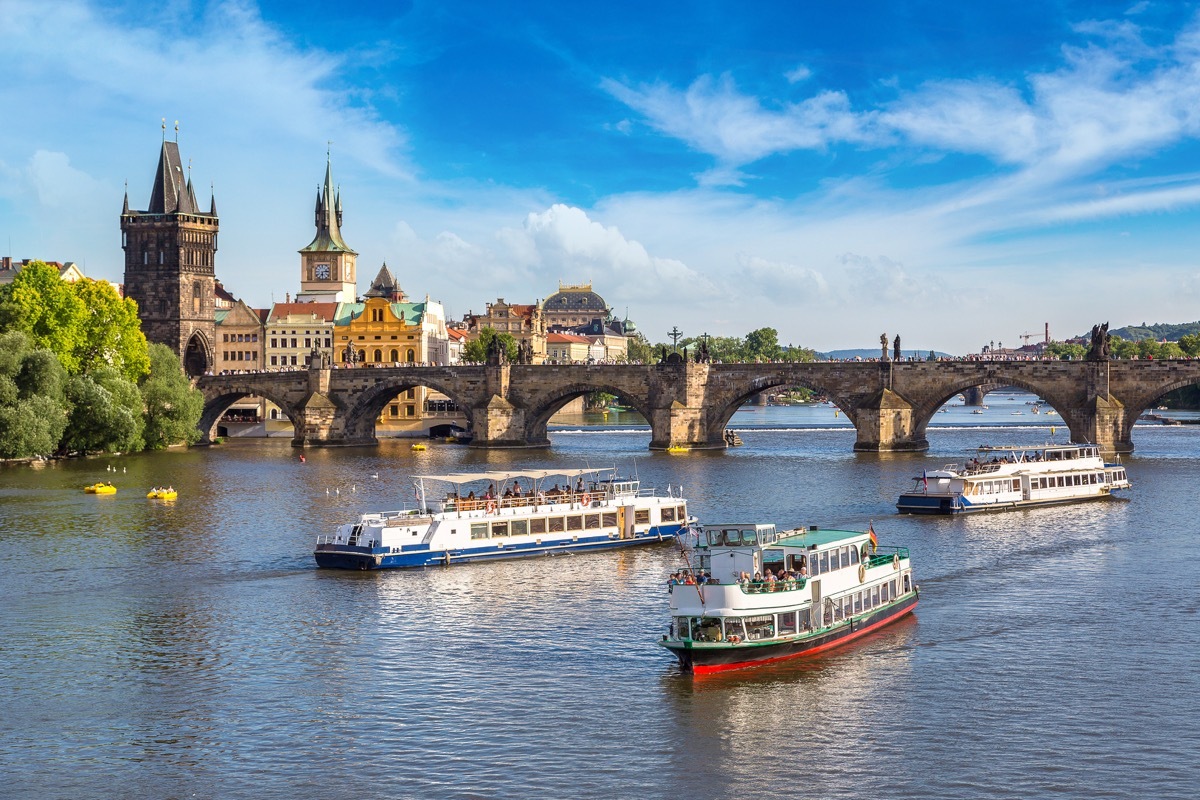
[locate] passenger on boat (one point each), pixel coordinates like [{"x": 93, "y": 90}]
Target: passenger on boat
[{"x": 491, "y": 492}]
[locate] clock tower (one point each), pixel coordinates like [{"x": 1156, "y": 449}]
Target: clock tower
[{"x": 327, "y": 264}]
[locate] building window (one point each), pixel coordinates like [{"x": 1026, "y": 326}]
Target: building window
[
  {"x": 378, "y": 355},
  {"x": 410, "y": 356},
  {"x": 395, "y": 355},
  {"x": 197, "y": 295},
  {"x": 410, "y": 411}
]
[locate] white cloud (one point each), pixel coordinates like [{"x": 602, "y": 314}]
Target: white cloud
[{"x": 798, "y": 74}]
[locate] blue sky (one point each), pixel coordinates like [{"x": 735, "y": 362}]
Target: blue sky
[{"x": 957, "y": 173}]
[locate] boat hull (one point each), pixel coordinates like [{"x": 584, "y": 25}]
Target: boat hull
[
  {"x": 708, "y": 658},
  {"x": 953, "y": 504},
  {"x": 342, "y": 556}
]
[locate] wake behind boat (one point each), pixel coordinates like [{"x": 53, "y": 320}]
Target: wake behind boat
[
  {"x": 761, "y": 596},
  {"x": 1005, "y": 478},
  {"x": 515, "y": 514}
]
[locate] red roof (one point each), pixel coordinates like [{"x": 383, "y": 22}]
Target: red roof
[
  {"x": 566, "y": 338},
  {"x": 324, "y": 311},
  {"x": 456, "y": 333}
]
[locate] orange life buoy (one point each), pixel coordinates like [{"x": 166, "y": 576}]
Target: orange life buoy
[
  {"x": 491, "y": 506},
  {"x": 587, "y": 499}
]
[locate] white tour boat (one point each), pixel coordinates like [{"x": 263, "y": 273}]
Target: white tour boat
[
  {"x": 520, "y": 513},
  {"x": 1003, "y": 478},
  {"x": 753, "y": 596}
]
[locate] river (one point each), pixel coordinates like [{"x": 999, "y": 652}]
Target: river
[{"x": 192, "y": 649}]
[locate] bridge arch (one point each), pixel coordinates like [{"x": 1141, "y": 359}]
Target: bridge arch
[
  {"x": 723, "y": 405},
  {"x": 360, "y": 418},
  {"x": 216, "y": 403},
  {"x": 545, "y": 406},
  {"x": 925, "y": 408}
]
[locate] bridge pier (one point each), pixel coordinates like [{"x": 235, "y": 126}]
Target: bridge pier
[
  {"x": 501, "y": 424},
  {"x": 1106, "y": 425},
  {"x": 680, "y": 417},
  {"x": 886, "y": 421}
]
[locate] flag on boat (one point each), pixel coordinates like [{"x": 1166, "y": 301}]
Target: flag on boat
[
  {"x": 924, "y": 480},
  {"x": 874, "y": 539}
]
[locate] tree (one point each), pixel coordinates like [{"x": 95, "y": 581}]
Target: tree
[
  {"x": 173, "y": 407},
  {"x": 639, "y": 349},
  {"x": 476, "y": 350},
  {"x": 1189, "y": 343},
  {"x": 1065, "y": 351},
  {"x": 106, "y": 413},
  {"x": 762, "y": 344},
  {"x": 85, "y": 324},
  {"x": 33, "y": 407},
  {"x": 111, "y": 333},
  {"x": 41, "y": 304}
]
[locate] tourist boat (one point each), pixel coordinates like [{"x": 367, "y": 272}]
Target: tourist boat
[
  {"x": 100, "y": 488},
  {"x": 525, "y": 513},
  {"x": 825, "y": 588},
  {"x": 162, "y": 494},
  {"x": 1003, "y": 478}
]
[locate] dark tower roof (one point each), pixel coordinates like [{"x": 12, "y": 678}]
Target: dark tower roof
[
  {"x": 170, "y": 193},
  {"x": 328, "y": 219},
  {"x": 385, "y": 285}
]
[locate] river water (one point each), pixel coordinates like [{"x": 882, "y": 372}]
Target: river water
[{"x": 194, "y": 650}]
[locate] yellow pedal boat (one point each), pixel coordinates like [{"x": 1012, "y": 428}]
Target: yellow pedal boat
[
  {"x": 418, "y": 446},
  {"x": 162, "y": 494},
  {"x": 100, "y": 488}
]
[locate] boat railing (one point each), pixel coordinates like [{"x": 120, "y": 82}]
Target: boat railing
[
  {"x": 886, "y": 555},
  {"x": 542, "y": 499},
  {"x": 786, "y": 585},
  {"x": 980, "y": 468}
]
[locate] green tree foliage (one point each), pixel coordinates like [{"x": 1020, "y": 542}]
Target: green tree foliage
[
  {"x": 763, "y": 345},
  {"x": 85, "y": 324},
  {"x": 111, "y": 333},
  {"x": 33, "y": 408},
  {"x": 44, "y": 306},
  {"x": 106, "y": 413},
  {"x": 1190, "y": 345},
  {"x": 173, "y": 407},
  {"x": 1066, "y": 352},
  {"x": 639, "y": 349},
  {"x": 476, "y": 350}
]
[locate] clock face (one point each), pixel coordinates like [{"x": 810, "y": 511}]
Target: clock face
[{"x": 322, "y": 272}]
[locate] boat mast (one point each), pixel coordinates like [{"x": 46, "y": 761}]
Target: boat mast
[{"x": 421, "y": 495}]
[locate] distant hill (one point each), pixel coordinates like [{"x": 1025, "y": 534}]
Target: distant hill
[
  {"x": 838, "y": 355},
  {"x": 1157, "y": 331}
]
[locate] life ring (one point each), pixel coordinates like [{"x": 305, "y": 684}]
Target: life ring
[
  {"x": 896, "y": 561},
  {"x": 862, "y": 573},
  {"x": 491, "y": 506},
  {"x": 734, "y": 639},
  {"x": 587, "y": 499}
]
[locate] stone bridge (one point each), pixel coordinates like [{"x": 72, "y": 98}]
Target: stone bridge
[{"x": 689, "y": 405}]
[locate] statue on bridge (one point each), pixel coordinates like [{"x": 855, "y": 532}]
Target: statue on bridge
[
  {"x": 496, "y": 354},
  {"x": 896, "y": 348},
  {"x": 883, "y": 344},
  {"x": 1099, "y": 349},
  {"x": 524, "y": 352},
  {"x": 702, "y": 354},
  {"x": 350, "y": 355}
]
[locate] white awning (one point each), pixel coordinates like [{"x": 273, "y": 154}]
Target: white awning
[{"x": 459, "y": 478}]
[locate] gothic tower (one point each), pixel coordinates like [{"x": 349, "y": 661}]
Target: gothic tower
[
  {"x": 170, "y": 250},
  {"x": 327, "y": 264}
]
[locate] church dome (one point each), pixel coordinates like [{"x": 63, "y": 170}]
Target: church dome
[{"x": 576, "y": 300}]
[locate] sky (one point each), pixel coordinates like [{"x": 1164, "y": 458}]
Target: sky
[{"x": 953, "y": 173}]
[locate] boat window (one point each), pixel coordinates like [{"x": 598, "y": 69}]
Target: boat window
[
  {"x": 823, "y": 559},
  {"x": 760, "y": 627},
  {"x": 857, "y": 602},
  {"x": 833, "y": 611},
  {"x": 835, "y": 558},
  {"x": 734, "y": 627},
  {"x": 609, "y": 520},
  {"x": 731, "y": 538},
  {"x": 556, "y": 524},
  {"x": 795, "y": 562},
  {"x": 681, "y": 513},
  {"x": 679, "y": 628},
  {"x": 814, "y": 566},
  {"x": 641, "y": 516},
  {"x": 706, "y": 629},
  {"x": 715, "y": 538},
  {"x": 479, "y": 530},
  {"x": 499, "y": 529},
  {"x": 519, "y": 527},
  {"x": 885, "y": 592},
  {"x": 787, "y": 623},
  {"x": 769, "y": 537},
  {"x": 874, "y": 596},
  {"x": 668, "y": 513},
  {"x": 591, "y": 521},
  {"x": 537, "y": 525},
  {"x": 575, "y": 523}
]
